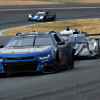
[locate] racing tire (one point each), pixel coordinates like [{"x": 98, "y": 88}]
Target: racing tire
[
  {"x": 70, "y": 61},
  {"x": 98, "y": 48},
  {"x": 65, "y": 57},
  {"x": 54, "y": 18},
  {"x": 57, "y": 67},
  {"x": 30, "y": 20},
  {"x": 69, "y": 57},
  {"x": 7, "y": 74}
]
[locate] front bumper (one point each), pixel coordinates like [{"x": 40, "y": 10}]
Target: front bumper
[
  {"x": 16, "y": 66},
  {"x": 87, "y": 55},
  {"x": 36, "y": 20}
]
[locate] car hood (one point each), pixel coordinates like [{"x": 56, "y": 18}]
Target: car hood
[
  {"x": 24, "y": 50},
  {"x": 38, "y": 17}
]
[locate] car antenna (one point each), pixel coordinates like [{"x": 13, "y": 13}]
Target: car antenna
[
  {"x": 67, "y": 28},
  {"x": 33, "y": 30},
  {"x": 33, "y": 27},
  {"x": 34, "y": 39}
]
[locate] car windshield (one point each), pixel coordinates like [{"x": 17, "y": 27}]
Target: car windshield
[
  {"x": 30, "y": 41},
  {"x": 21, "y": 42},
  {"x": 42, "y": 41},
  {"x": 78, "y": 38},
  {"x": 40, "y": 14}
]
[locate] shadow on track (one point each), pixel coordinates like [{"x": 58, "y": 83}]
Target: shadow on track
[
  {"x": 86, "y": 58},
  {"x": 30, "y": 74}
]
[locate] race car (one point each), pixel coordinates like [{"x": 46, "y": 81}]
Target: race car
[
  {"x": 67, "y": 31},
  {"x": 36, "y": 52},
  {"x": 42, "y": 16},
  {"x": 83, "y": 44}
]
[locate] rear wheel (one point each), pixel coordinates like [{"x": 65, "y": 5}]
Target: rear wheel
[{"x": 98, "y": 47}]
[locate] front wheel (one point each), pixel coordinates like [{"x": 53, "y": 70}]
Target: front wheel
[
  {"x": 70, "y": 61},
  {"x": 66, "y": 57},
  {"x": 69, "y": 57}
]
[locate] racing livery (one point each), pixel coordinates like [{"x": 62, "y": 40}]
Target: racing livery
[
  {"x": 83, "y": 44},
  {"x": 36, "y": 52},
  {"x": 42, "y": 16}
]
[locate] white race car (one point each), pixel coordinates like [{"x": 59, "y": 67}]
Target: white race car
[
  {"x": 83, "y": 44},
  {"x": 67, "y": 31}
]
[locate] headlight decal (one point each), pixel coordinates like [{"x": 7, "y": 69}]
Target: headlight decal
[
  {"x": 45, "y": 57},
  {"x": 1, "y": 60},
  {"x": 1, "y": 68}
]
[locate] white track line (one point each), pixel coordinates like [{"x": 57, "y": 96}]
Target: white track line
[{"x": 54, "y": 8}]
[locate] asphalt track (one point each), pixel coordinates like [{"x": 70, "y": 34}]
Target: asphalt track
[
  {"x": 82, "y": 83},
  {"x": 15, "y": 16}
]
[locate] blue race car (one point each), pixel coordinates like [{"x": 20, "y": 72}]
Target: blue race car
[
  {"x": 42, "y": 16},
  {"x": 36, "y": 52}
]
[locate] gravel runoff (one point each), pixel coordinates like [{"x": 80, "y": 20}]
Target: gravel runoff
[{"x": 2, "y": 32}]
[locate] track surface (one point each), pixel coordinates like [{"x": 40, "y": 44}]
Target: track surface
[
  {"x": 12, "y": 16},
  {"x": 82, "y": 83}
]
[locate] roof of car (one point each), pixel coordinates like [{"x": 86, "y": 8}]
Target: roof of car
[
  {"x": 31, "y": 34},
  {"x": 29, "y": 37},
  {"x": 41, "y": 12},
  {"x": 78, "y": 38},
  {"x": 19, "y": 34}
]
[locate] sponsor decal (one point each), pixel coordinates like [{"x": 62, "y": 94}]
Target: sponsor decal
[{"x": 24, "y": 50}]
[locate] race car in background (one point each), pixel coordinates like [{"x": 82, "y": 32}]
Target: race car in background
[
  {"x": 42, "y": 16},
  {"x": 83, "y": 44},
  {"x": 36, "y": 52}
]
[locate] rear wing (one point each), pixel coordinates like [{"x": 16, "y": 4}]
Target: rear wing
[{"x": 95, "y": 36}]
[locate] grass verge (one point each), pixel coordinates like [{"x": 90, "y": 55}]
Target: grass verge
[
  {"x": 88, "y": 25},
  {"x": 62, "y": 1},
  {"x": 23, "y": 2},
  {"x": 35, "y": 2},
  {"x": 74, "y": 1}
]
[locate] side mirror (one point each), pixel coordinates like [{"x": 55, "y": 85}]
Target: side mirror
[
  {"x": 61, "y": 43},
  {"x": 18, "y": 34},
  {"x": 1, "y": 46}
]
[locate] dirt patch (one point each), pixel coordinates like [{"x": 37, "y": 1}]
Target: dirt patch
[
  {"x": 87, "y": 25},
  {"x": 23, "y": 2},
  {"x": 90, "y": 1},
  {"x": 37, "y": 2}
]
